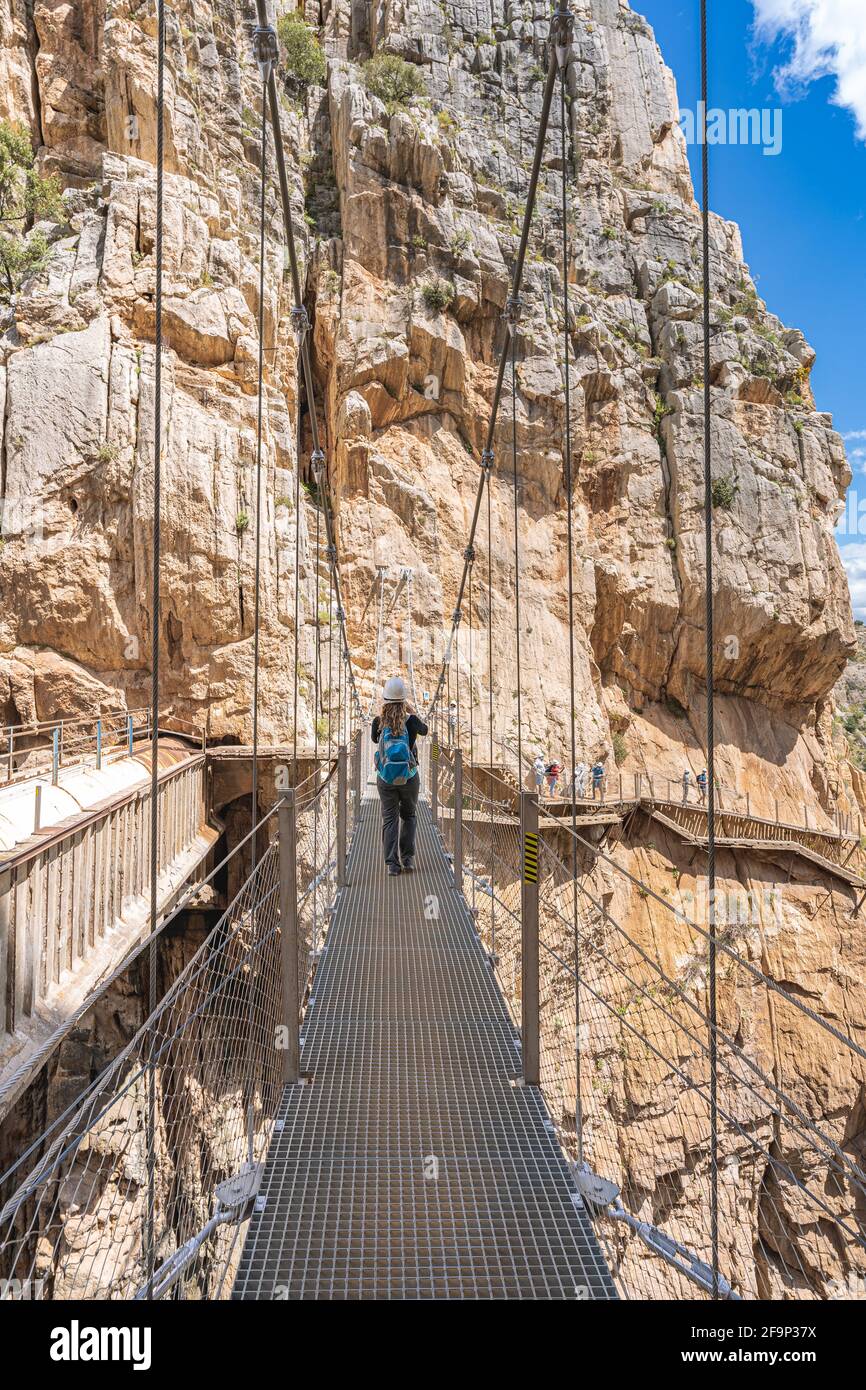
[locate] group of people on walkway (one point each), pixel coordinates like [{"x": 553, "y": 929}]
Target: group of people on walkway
[
  {"x": 583, "y": 779},
  {"x": 700, "y": 785}
]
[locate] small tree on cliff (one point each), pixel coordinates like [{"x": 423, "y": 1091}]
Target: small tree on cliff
[
  {"x": 25, "y": 198},
  {"x": 301, "y": 50}
]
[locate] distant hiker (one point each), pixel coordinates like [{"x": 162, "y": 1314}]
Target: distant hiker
[
  {"x": 580, "y": 775},
  {"x": 538, "y": 774},
  {"x": 452, "y": 721},
  {"x": 398, "y": 781},
  {"x": 552, "y": 772},
  {"x": 702, "y": 786},
  {"x": 597, "y": 781},
  {"x": 687, "y": 781}
]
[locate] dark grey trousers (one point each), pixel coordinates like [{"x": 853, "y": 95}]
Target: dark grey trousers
[{"x": 398, "y": 818}]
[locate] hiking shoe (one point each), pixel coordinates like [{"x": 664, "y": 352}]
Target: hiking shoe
[
  {"x": 393, "y": 869},
  {"x": 409, "y": 865}
]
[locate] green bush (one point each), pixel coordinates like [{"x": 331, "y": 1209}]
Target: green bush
[
  {"x": 393, "y": 80},
  {"x": 437, "y": 295},
  {"x": 620, "y": 748},
  {"x": 301, "y": 49},
  {"x": 242, "y": 521},
  {"x": 723, "y": 493},
  {"x": 25, "y": 197}
]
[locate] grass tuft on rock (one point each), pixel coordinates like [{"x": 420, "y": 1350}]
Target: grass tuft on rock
[{"x": 437, "y": 295}]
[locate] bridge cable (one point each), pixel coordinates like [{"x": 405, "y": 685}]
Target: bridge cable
[
  {"x": 513, "y": 327},
  {"x": 156, "y": 622},
  {"x": 472, "y": 790},
  {"x": 265, "y": 53},
  {"x": 317, "y": 695},
  {"x": 301, "y": 320},
  {"x": 569, "y": 489},
  {"x": 711, "y": 787},
  {"x": 488, "y": 477},
  {"x": 562, "y": 22}
]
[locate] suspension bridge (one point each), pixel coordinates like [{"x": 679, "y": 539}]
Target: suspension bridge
[{"x": 520, "y": 1072}]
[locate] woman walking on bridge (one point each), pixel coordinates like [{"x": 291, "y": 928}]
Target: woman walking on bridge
[{"x": 398, "y": 780}]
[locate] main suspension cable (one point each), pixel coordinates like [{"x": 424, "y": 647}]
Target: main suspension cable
[
  {"x": 516, "y": 542},
  {"x": 569, "y": 490},
  {"x": 156, "y": 624},
  {"x": 561, "y": 37},
  {"x": 711, "y": 781}
]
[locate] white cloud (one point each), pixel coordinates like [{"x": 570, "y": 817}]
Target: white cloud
[
  {"x": 828, "y": 39},
  {"x": 854, "y": 434},
  {"x": 854, "y": 560}
]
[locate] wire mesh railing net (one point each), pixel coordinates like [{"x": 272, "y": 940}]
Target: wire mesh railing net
[
  {"x": 625, "y": 1069},
  {"x": 152, "y": 1174}
]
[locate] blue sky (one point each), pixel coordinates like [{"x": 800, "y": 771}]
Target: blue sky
[{"x": 803, "y": 211}]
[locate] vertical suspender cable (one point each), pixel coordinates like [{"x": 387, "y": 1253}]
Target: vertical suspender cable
[
  {"x": 489, "y": 473},
  {"x": 516, "y": 549},
  {"x": 569, "y": 490},
  {"x": 258, "y": 551},
  {"x": 711, "y": 781},
  {"x": 252, "y": 979},
  {"x": 156, "y": 623},
  {"x": 471, "y": 713},
  {"x": 297, "y": 643}
]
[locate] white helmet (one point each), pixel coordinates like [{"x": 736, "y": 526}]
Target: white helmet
[{"x": 395, "y": 689}]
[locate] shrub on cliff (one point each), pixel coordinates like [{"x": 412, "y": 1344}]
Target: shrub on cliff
[
  {"x": 393, "y": 80},
  {"x": 302, "y": 52},
  {"x": 724, "y": 491},
  {"x": 437, "y": 295},
  {"x": 25, "y": 198}
]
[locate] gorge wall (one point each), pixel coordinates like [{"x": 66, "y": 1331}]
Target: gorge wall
[{"x": 387, "y": 203}]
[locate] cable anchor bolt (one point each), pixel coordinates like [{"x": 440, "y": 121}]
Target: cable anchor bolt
[{"x": 265, "y": 49}]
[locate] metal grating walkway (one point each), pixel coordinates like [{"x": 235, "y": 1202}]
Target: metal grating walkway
[{"x": 413, "y": 1167}]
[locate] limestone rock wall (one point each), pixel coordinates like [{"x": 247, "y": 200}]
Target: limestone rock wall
[{"x": 77, "y": 378}]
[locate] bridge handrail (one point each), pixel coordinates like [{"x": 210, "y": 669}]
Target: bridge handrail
[{"x": 128, "y": 960}]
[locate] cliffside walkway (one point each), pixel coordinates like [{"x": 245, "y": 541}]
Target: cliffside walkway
[{"x": 413, "y": 1164}]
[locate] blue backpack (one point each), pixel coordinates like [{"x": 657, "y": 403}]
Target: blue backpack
[{"x": 394, "y": 762}]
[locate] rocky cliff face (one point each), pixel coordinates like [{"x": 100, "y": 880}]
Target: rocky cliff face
[
  {"x": 387, "y": 202},
  {"x": 393, "y": 202}
]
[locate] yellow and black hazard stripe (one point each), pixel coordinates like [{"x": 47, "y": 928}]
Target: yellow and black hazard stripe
[
  {"x": 530, "y": 858},
  {"x": 434, "y": 751}
]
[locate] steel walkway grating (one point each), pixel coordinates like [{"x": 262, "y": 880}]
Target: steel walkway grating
[{"x": 413, "y": 1167}]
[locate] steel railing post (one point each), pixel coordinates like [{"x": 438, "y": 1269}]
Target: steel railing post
[
  {"x": 458, "y": 820},
  {"x": 287, "y": 825},
  {"x": 434, "y": 780},
  {"x": 356, "y": 772},
  {"x": 11, "y": 754},
  {"x": 37, "y": 807},
  {"x": 98, "y": 744},
  {"x": 342, "y": 812},
  {"x": 530, "y": 1002},
  {"x": 129, "y": 733},
  {"x": 55, "y": 756}
]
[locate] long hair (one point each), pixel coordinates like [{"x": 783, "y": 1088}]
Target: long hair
[{"x": 393, "y": 714}]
